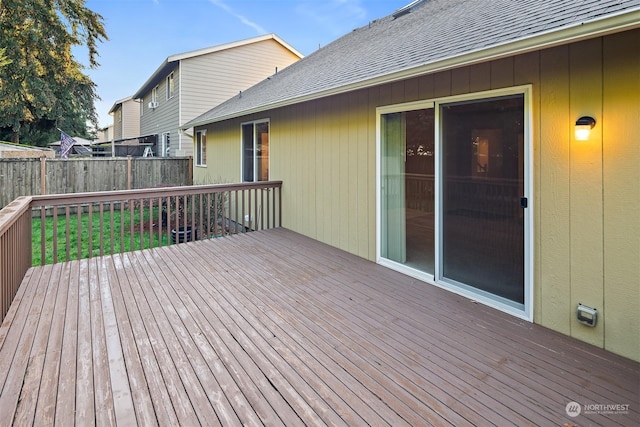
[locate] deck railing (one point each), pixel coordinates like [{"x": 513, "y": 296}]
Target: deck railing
[
  {"x": 48, "y": 229},
  {"x": 15, "y": 249}
]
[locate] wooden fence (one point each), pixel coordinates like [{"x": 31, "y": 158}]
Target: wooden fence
[{"x": 24, "y": 177}]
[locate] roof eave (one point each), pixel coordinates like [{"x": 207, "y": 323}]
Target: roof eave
[
  {"x": 611, "y": 24},
  {"x": 155, "y": 78},
  {"x": 169, "y": 63},
  {"x": 232, "y": 45},
  {"x": 114, "y": 107}
]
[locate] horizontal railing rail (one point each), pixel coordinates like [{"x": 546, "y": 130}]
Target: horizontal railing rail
[
  {"x": 83, "y": 225},
  {"x": 37, "y": 230},
  {"x": 15, "y": 249}
]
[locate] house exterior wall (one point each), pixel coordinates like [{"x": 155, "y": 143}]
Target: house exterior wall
[
  {"x": 117, "y": 122},
  {"x": 130, "y": 119},
  {"x": 208, "y": 80},
  {"x": 126, "y": 118},
  {"x": 586, "y": 234},
  {"x": 164, "y": 118},
  {"x": 204, "y": 81},
  {"x": 105, "y": 134}
]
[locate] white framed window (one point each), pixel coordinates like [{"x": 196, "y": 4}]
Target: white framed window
[
  {"x": 154, "y": 95},
  {"x": 165, "y": 150},
  {"x": 170, "y": 85},
  {"x": 255, "y": 151},
  {"x": 201, "y": 148}
]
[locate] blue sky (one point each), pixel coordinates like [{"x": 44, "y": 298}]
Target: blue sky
[{"x": 143, "y": 33}]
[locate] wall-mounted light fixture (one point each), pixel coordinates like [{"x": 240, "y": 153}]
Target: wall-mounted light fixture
[{"x": 583, "y": 127}]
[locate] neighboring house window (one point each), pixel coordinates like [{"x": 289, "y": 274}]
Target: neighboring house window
[
  {"x": 154, "y": 95},
  {"x": 255, "y": 151},
  {"x": 201, "y": 148},
  {"x": 170, "y": 86},
  {"x": 120, "y": 115},
  {"x": 166, "y": 145}
]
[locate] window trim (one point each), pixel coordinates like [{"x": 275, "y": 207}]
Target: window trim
[
  {"x": 170, "y": 82},
  {"x": 255, "y": 164},
  {"x": 165, "y": 150},
  {"x": 200, "y": 152},
  {"x": 154, "y": 94}
]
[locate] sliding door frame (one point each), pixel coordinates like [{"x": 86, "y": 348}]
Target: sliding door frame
[{"x": 526, "y": 310}]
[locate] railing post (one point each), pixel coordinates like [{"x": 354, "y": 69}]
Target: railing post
[
  {"x": 15, "y": 249},
  {"x": 43, "y": 175},
  {"x": 129, "y": 172},
  {"x": 280, "y": 206}
]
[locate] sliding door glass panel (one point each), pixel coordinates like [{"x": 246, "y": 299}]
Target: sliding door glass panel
[
  {"x": 393, "y": 234},
  {"x": 262, "y": 151},
  {"x": 408, "y": 188},
  {"x": 482, "y": 182},
  {"x": 419, "y": 184},
  {"x": 247, "y": 152}
]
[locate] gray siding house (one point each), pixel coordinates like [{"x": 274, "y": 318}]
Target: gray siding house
[{"x": 188, "y": 84}]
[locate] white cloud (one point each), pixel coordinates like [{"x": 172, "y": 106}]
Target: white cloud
[{"x": 222, "y": 5}]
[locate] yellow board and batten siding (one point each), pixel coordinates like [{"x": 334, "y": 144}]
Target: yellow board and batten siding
[
  {"x": 586, "y": 193},
  {"x": 621, "y": 192}
]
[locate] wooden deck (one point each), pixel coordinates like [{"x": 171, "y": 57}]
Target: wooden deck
[{"x": 277, "y": 329}]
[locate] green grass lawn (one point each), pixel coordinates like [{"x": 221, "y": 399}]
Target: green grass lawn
[{"x": 92, "y": 234}]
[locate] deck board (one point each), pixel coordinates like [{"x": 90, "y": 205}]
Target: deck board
[
  {"x": 161, "y": 341},
  {"x": 48, "y": 385},
  {"x": 134, "y": 373},
  {"x": 274, "y": 328},
  {"x": 232, "y": 320},
  {"x": 363, "y": 344},
  {"x": 144, "y": 369},
  {"x": 66, "y": 388},
  {"x": 19, "y": 341}
]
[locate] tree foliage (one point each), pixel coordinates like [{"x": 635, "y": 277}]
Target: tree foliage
[
  {"x": 3, "y": 59},
  {"x": 42, "y": 86}
]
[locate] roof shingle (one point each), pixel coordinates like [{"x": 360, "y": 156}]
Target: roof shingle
[{"x": 433, "y": 31}]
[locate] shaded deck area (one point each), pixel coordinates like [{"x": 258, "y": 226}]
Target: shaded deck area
[{"x": 274, "y": 328}]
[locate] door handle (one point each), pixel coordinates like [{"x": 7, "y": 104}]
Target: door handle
[{"x": 524, "y": 202}]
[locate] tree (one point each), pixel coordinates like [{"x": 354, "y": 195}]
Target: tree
[
  {"x": 42, "y": 86},
  {"x": 3, "y": 59}
]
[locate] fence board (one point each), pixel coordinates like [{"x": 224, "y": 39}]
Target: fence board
[{"x": 22, "y": 177}]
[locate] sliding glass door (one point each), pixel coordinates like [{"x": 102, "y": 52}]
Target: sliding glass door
[{"x": 452, "y": 196}]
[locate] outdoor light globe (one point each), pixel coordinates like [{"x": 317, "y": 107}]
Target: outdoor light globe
[
  {"x": 583, "y": 127},
  {"x": 583, "y": 132}
]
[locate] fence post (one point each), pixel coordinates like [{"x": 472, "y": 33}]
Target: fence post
[
  {"x": 43, "y": 175},
  {"x": 129, "y": 172},
  {"x": 190, "y": 175}
]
